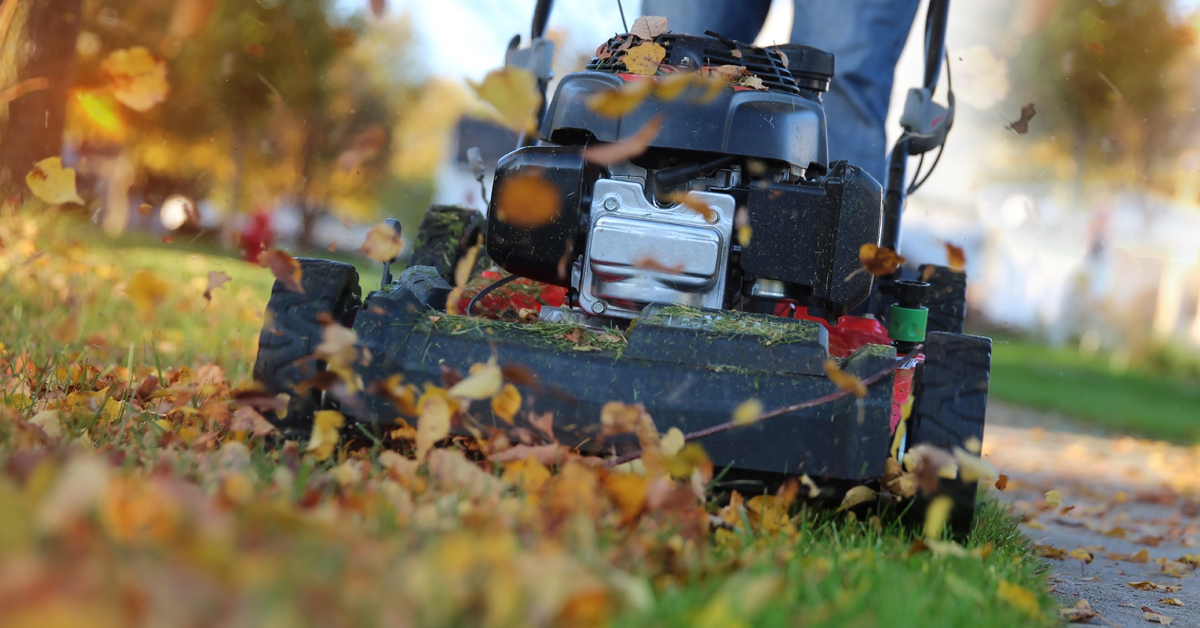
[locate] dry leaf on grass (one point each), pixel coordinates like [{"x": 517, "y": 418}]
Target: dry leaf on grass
[
  {"x": 1019, "y": 598},
  {"x": 526, "y": 200},
  {"x": 51, "y": 182},
  {"x": 383, "y": 244},
  {"x": 324, "y": 439},
  {"x": 285, "y": 268},
  {"x": 632, "y": 146},
  {"x": 846, "y": 381}
]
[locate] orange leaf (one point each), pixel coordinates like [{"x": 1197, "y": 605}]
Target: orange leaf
[
  {"x": 649, "y": 263},
  {"x": 526, "y": 200},
  {"x": 844, "y": 380},
  {"x": 879, "y": 260},
  {"x": 285, "y": 268},
  {"x": 955, "y": 258},
  {"x": 632, "y": 146},
  {"x": 383, "y": 244},
  {"x": 1001, "y": 482},
  {"x": 137, "y": 77},
  {"x": 693, "y": 202}
]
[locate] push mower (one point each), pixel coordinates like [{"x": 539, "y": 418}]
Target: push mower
[{"x": 715, "y": 320}]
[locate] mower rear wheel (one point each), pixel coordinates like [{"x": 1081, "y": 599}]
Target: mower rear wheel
[
  {"x": 947, "y": 300},
  {"x": 292, "y": 332},
  {"x": 951, "y": 390}
]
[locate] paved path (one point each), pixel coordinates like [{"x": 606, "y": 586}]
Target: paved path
[{"x": 1124, "y": 496}]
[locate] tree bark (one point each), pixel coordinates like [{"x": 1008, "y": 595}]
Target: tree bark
[{"x": 42, "y": 35}]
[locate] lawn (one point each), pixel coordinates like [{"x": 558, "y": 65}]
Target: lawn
[
  {"x": 136, "y": 490},
  {"x": 1134, "y": 401}
]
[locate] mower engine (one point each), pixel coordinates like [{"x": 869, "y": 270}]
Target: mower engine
[{"x": 618, "y": 239}]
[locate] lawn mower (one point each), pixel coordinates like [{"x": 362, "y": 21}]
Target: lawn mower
[{"x": 717, "y": 318}]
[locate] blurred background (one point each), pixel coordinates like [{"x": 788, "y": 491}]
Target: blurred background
[{"x": 237, "y": 124}]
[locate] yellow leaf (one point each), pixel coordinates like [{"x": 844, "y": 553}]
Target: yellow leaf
[
  {"x": 691, "y": 457},
  {"x": 856, "y": 496},
  {"x": 529, "y": 474},
  {"x": 462, "y": 270},
  {"x": 383, "y": 244},
  {"x": 614, "y": 103},
  {"x": 845, "y": 381},
  {"x": 1019, "y": 598},
  {"x": 670, "y": 86},
  {"x": 936, "y": 516},
  {"x": 324, "y": 437},
  {"x": 512, "y": 91},
  {"x": 53, "y": 183},
  {"x": 879, "y": 260},
  {"x": 1081, "y": 554},
  {"x": 628, "y": 492},
  {"x": 644, "y": 59},
  {"x": 1171, "y": 601},
  {"x": 1053, "y": 498},
  {"x": 747, "y": 411},
  {"x": 136, "y": 77},
  {"x": 483, "y": 383},
  {"x": 673, "y": 442},
  {"x": 433, "y": 422},
  {"x": 506, "y": 403},
  {"x": 147, "y": 292},
  {"x": 49, "y": 422},
  {"x": 619, "y": 418},
  {"x": 973, "y": 468}
]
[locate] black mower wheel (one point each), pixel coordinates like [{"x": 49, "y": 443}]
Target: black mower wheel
[
  {"x": 947, "y": 300},
  {"x": 444, "y": 236},
  {"x": 951, "y": 390},
  {"x": 292, "y": 332}
]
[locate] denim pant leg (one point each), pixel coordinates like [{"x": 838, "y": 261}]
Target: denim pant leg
[
  {"x": 735, "y": 19},
  {"x": 866, "y": 37}
]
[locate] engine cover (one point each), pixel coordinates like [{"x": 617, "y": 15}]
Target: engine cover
[{"x": 639, "y": 254}]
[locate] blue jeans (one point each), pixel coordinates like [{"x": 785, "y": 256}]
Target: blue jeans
[{"x": 865, "y": 36}]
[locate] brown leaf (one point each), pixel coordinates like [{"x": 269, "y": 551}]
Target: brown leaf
[
  {"x": 1001, "y": 482},
  {"x": 526, "y": 201},
  {"x": 216, "y": 279},
  {"x": 1155, "y": 618},
  {"x": 260, "y": 399},
  {"x": 619, "y": 418},
  {"x": 378, "y": 7},
  {"x": 632, "y": 146},
  {"x": 1021, "y": 126},
  {"x": 549, "y": 455},
  {"x": 649, "y": 263},
  {"x": 1048, "y": 551},
  {"x": 695, "y": 203},
  {"x": 520, "y": 375},
  {"x": 285, "y": 268},
  {"x": 382, "y": 244},
  {"x": 879, "y": 260},
  {"x": 644, "y": 59},
  {"x": 1081, "y": 613},
  {"x": 246, "y": 419},
  {"x": 955, "y": 258},
  {"x": 727, "y": 73},
  {"x": 649, "y": 26},
  {"x": 845, "y": 381}
]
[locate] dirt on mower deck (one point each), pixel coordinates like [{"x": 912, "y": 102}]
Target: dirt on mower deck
[{"x": 1133, "y": 504}]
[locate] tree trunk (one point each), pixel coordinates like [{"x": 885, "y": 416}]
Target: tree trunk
[{"x": 41, "y": 39}]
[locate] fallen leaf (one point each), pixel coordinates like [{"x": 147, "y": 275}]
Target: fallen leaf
[
  {"x": 1019, "y": 598},
  {"x": 285, "y": 268},
  {"x": 1051, "y": 552},
  {"x": 433, "y": 420},
  {"x": 936, "y": 516},
  {"x": 216, "y": 279},
  {"x": 856, "y": 496},
  {"x": 694, "y": 202},
  {"x": 644, "y": 59},
  {"x": 1080, "y": 613},
  {"x": 1053, "y": 498},
  {"x": 136, "y": 77},
  {"x": 1174, "y": 568},
  {"x": 879, "y": 260},
  {"x": 248, "y": 420},
  {"x": 1191, "y": 559},
  {"x": 747, "y": 412},
  {"x": 1021, "y": 126},
  {"x": 484, "y": 382},
  {"x": 726, "y": 73},
  {"x": 1001, "y": 482},
  {"x": 614, "y": 103},
  {"x": 506, "y": 403},
  {"x": 1155, "y": 618},
  {"x": 147, "y": 292},
  {"x": 632, "y": 146},
  {"x": 324, "y": 439},
  {"x": 51, "y": 182},
  {"x": 649, "y": 26},
  {"x": 1146, "y": 585},
  {"x": 526, "y": 201},
  {"x": 1172, "y": 601},
  {"x": 751, "y": 81},
  {"x": 955, "y": 258},
  {"x": 383, "y": 244},
  {"x": 513, "y": 93},
  {"x": 846, "y": 381},
  {"x": 1142, "y": 556},
  {"x": 49, "y": 423}
]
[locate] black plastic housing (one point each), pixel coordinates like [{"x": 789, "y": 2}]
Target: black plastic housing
[
  {"x": 542, "y": 253},
  {"x": 809, "y": 235}
]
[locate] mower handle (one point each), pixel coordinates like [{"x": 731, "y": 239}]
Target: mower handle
[
  {"x": 541, "y": 15},
  {"x": 935, "y": 41}
]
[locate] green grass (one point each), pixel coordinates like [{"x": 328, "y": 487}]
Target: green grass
[{"x": 1134, "y": 401}]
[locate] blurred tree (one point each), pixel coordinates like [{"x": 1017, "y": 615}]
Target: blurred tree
[
  {"x": 1108, "y": 76},
  {"x": 37, "y": 52}
]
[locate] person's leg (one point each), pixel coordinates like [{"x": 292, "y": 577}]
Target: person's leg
[
  {"x": 736, "y": 19},
  {"x": 866, "y": 37}
]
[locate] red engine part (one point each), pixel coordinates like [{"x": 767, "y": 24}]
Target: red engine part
[{"x": 507, "y": 301}]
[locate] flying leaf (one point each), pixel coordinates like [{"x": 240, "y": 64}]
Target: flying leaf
[
  {"x": 1002, "y": 482},
  {"x": 936, "y": 516},
  {"x": 813, "y": 491},
  {"x": 1053, "y": 498},
  {"x": 484, "y": 382},
  {"x": 338, "y": 348},
  {"x": 668, "y": 87},
  {"x": 137, "y": 77},
  {"x": 1021, "y": 126},
  {"x": 378, "y": 7},
  {"x": 147, "y": 292},
  {"x": 285, "y": 268},
  {"x": 747, "y": 412},
  {"x": 649, "y": 26},
  {"x": 928, "y": 464},
  {"x": 528, "y": 473},
  {"x": 464, "y": 266},
  {"x": 628, "y": 491},
  {"x": 247, "y": 419},
  {"x": 506, "y": 403},
  {"x": 856, "y": 496},
  {"x": 845, "y": 381},
  {"x": 632, "y": 146},
  {"x": 973, "y": 468},
  {"x": 695, "y": 203},
  {"x": 644, "y": 59},
  {"x": 53, "y": 183},
  {"x": 614, "y": 103},
  {"x": 955, "y": 258},
  {"x": 619, "y": 418},
  {"x": 672, "y": 442},
  {"x": 741, "y": 220},
  {"x": 433, "y": 423},
  {"x": 526, "y": 201},
  {"x": 383, "y": 244},
  {"x": 216, "y": 279},
  {"x": 1081, "y": 613},
  {"x": 513, "y": 93},
  {"x": 879, "y": 260},
  {"x": 190, "y": 17},
  {"x": 324, "y": 439}
]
